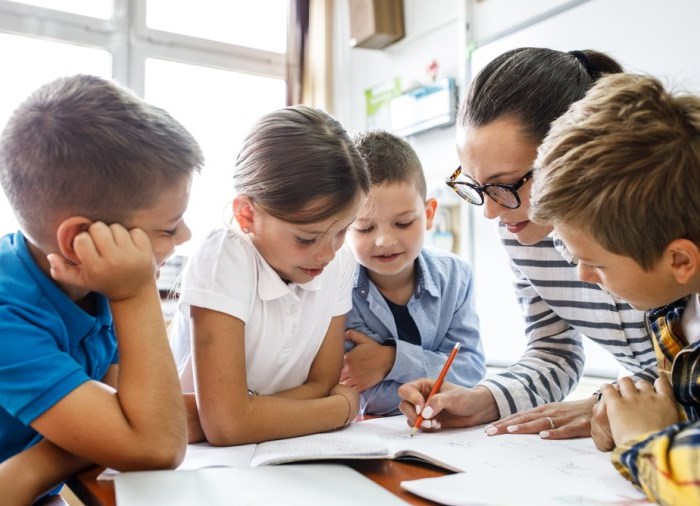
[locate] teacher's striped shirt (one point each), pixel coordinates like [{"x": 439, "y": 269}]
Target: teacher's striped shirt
[{"x": 559, "y": 310}]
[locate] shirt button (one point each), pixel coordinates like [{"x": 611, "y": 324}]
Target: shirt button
[{"x": 294, "y": 308}]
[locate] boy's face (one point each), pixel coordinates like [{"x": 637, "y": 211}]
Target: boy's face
[
  {"x": 388, "y": 233},
  {"x": 617, "y": 274},
  {"x": 164, "y": 222},
  {"x": 299, "y": 253}
]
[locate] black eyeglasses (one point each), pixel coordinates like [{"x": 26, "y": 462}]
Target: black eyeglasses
[{"x": 472, "y": 192}]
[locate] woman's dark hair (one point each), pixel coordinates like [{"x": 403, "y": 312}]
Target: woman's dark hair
[{"x": 532, "y": 85}]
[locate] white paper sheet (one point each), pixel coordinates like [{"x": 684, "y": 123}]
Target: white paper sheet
[
  {"x": 524, "y": 487},
  {"x": 291, "y": 485}
]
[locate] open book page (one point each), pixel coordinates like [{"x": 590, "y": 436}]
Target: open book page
[
  {"x": 444, "y": 448},
  {"x": 354, "y": 441},
  {"x": 202, "y": 455},
  {"x": 205, "y": 455}
]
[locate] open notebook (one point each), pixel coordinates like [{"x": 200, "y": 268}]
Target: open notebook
[{"x": 381, "y": 438}]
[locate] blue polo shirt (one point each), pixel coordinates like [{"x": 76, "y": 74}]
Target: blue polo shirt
[{"x": 48, "y": 345}]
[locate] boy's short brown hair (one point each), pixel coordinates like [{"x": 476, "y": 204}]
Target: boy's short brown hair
[
  {"x": 623, "y": 165},
  {"x": 390, "y": 159},
  {"x": 82, "y": 145}
]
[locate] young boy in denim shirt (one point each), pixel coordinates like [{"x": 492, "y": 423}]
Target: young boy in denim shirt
[
  {"x": 411, "y": 303},
  {"x": 618, "y": 177},
  {"x": 99, "y": 181}
]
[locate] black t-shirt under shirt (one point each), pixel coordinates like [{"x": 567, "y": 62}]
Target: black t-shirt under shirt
[{"x": 406, "y": 327}]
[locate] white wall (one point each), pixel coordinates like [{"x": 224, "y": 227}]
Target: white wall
[
  {"x": 491, "y": 17},
  {"x": 431, "y": 33}
]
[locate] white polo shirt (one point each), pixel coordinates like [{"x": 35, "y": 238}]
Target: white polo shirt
[{"x": 284, "y": 324}]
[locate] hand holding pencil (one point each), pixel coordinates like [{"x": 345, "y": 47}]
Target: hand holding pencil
[{"x": 437, "y": 385}]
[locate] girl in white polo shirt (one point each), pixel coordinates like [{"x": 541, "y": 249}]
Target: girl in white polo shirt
[{"x": 259, "y": 334}]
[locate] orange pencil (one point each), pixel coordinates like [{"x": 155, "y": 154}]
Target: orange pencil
[{"x": 438, "y": 384}]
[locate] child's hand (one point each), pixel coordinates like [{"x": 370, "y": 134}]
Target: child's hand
[
  {"x": 352, "y": 397},
  {"x": 600, "y": 427},
  {"x": 111, "y": 260},
  {"x": 636, "y": 409},
  {"x": 367, "y": 363}
]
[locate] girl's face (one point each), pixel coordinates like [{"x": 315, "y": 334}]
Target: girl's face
[
  {"x": 500, "y": 153},
  {"x": 298, "y": 253}
]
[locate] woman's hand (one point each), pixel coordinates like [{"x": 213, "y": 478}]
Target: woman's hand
[
  {"x": 452, "y": 406},
  {"x": 556, "y": 420}
]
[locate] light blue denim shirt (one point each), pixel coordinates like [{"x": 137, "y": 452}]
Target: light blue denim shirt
[{"x": 443, "y": 310}]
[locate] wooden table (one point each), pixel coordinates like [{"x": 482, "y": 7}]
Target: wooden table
[{"x": 387, "y": 473}]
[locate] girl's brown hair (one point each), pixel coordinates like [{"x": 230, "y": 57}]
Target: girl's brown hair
[{"x": 298, "y": 156}]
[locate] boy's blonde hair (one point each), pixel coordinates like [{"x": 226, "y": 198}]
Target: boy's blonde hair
[{"x": 623, "y": 165}]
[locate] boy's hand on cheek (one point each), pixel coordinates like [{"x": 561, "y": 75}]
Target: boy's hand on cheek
[
  {"x": 641, "y": 408},
  {"x": 367, "y": 363},
  {"x": 112, "y": 260}
]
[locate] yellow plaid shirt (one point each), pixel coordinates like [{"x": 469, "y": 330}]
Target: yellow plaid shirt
[{"x": 666, "y": 465}]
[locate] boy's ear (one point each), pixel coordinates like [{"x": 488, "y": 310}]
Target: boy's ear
[
  {"x": 244, "y": 213},
  {"x": 66, "y": 232},
  {"x": 685, "y": 260},
  {"x": 430, "y": 209}
]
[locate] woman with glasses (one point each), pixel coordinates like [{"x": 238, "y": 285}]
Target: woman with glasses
[{"x": 502, "y": 121}]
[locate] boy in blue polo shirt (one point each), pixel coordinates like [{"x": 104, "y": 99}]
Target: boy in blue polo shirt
[
  {"x": 99, "y": 181},
  {"x": 411, "y": 303}
]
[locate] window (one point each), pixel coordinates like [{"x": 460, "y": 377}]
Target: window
[
  {"x": 215, "y": 66},
  {"x": 219, "y": 116},
  {"x": 94, "y": 8},
  {"x": 225, "y": 22},
  {"x": 49, "y": 59}
]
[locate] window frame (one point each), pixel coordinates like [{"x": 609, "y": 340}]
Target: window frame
[{"x": 131, "y": 42}]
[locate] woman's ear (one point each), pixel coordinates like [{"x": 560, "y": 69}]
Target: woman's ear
[
  {"x": 430, "y": 208},
  {"x": 244, "y": 213},
  {"x": 66, "y": 232},
  {"x": 685, "y": 260}
]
